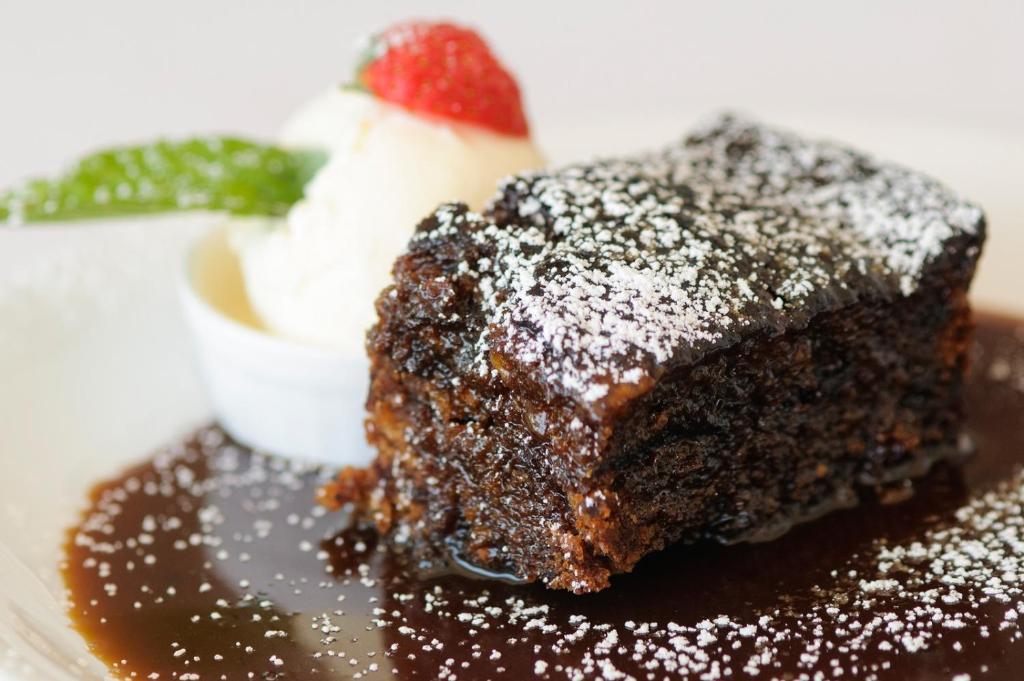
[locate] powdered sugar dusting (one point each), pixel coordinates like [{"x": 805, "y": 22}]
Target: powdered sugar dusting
[
  {"x": 605, "y": 272},
  {"x": 220, "y": 562}
]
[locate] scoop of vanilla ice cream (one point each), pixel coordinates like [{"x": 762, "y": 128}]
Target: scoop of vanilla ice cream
[{"x": 314, "y": 276}]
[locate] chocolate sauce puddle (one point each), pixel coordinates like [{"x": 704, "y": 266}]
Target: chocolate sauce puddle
[{"x": 210, "y": 562}]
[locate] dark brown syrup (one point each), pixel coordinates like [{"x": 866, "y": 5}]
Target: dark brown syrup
[{"x": 210, "y": 562}]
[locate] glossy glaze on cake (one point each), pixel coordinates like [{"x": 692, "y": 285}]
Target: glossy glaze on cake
[{"x": 208, "y": 560}]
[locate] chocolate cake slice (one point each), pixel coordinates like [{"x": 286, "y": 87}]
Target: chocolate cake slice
[{"x": 711, "y": 341}]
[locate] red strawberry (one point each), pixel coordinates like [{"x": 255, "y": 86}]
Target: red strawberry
[{"x": 444, "y": 70}]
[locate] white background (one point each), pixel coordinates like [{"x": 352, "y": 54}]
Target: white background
[
  {"x": 76, "y": 74},
  {"x": 937, "y": 85}
]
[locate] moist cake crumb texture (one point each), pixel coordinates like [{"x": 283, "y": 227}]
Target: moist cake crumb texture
[
  {"x": 716, "y": 340},
  {"x": 601, "y": 270},
  {"x": 210, "y": 562}
]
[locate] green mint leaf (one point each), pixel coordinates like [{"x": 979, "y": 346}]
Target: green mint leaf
[{"x": 208, "y": 173}]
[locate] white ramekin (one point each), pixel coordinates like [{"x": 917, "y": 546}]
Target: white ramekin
[{"x": 272, "y": 394}]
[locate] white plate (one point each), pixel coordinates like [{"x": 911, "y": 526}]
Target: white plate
[{"x": 96, "y": 371}]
